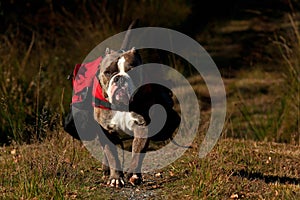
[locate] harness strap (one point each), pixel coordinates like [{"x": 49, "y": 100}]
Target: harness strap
[
  {"x": 99, "y": 101},
  {"x": 98, "y": 98},
  {"x": 102, "y": 104}
]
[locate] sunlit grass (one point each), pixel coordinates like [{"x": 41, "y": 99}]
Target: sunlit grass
[
  {"x": 266, "y": 104},
  {"x": 61, "y": 168}
]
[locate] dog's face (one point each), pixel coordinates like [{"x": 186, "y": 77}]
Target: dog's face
[{"x": 116, "y": 84}]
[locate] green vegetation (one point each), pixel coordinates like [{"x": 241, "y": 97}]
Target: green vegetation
[
  {"x": 276, "y": 116},
  {"x": 61, "y": 168},
  {"x": 34, "y": 66},
  {"x": 35, "y": 93},
  {"x": 256, "y": 49}
]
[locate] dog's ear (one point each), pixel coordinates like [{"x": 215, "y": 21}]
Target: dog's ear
[
  {"x": 133, "y": 50},
  {"x": 107, "y": 51}
]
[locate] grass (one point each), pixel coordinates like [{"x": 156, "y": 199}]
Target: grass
[
  {"x": 35, "y": 55},
  {"x": 29, "y": 65},
  {"x": 63, "y": 169},
  {"x": 264, "y": 104},
  {"x": 40, "y": 161}
]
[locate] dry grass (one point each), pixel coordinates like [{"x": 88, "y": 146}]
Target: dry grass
[
  {"x": 40, "y": 161},
  {"x": 61, "y": 168},
  {"x": 35, "y": 60}
]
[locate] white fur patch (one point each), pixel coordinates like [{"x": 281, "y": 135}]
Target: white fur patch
[
  {"x": 109, "y": 90},
  {"x": 121, "y": 65},
  {"x": 123, "y": 121},
  {"x": 122, "y": 72}
]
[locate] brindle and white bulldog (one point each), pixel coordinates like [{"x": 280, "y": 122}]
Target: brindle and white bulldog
[{"x": 117, "y": 89}]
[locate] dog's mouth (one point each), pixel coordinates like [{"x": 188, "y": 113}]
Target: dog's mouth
[{"x": 120, "y": 95}]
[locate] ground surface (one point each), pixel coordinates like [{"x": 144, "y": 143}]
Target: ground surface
[
  {"x": 61, "y": 168},
  {"x": 235, "y": 169}
]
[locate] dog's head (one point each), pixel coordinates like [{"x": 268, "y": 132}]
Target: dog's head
[{"x": 117, "y": 86}]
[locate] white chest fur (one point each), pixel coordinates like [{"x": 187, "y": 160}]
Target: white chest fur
[{"x": 123, "y": 121}]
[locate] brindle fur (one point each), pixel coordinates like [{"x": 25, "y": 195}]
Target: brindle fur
[{"x": 104, "y": 117}]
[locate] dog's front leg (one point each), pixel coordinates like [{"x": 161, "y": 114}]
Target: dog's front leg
[
  {"x": 139, "y": 146},
  {"x": 108, "y": 140},
  {"x": 135, "y": 123},
  {"x": 116, "y": 176}
]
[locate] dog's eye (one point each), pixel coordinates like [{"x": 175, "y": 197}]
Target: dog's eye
[{"x": 107, "y": 73}]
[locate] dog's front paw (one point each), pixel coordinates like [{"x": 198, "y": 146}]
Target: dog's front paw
[
  {"x": 105, "y": 170},
  {"x": 135, "y": 180},
  {"x": 116, "y": 182},
  {"x": 138, "y": 119}
]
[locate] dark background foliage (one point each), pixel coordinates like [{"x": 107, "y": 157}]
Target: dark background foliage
[{"x": 42, "y": 40}]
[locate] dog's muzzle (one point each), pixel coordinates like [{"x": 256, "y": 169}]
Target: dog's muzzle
[{"x": 120, "y": 90}]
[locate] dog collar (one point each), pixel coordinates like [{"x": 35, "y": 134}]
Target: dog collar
[
  {"x": 98, "y": 99},
  {"x": 100, "y": 102}
]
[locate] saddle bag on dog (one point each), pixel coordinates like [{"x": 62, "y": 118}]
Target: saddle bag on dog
[
  {"x": 81, "y": 108},
  {"x": 83, "y": 98}
]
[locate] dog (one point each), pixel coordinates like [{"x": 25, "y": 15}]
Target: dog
[
  {"x": 123, "y": 109},
  {"x": 117, "y": 88}
]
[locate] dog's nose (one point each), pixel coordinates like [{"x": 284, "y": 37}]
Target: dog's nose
[{"x": 120, "y": 80}]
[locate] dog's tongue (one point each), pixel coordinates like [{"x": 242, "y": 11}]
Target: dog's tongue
[{"x": 122, "y": 96}]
